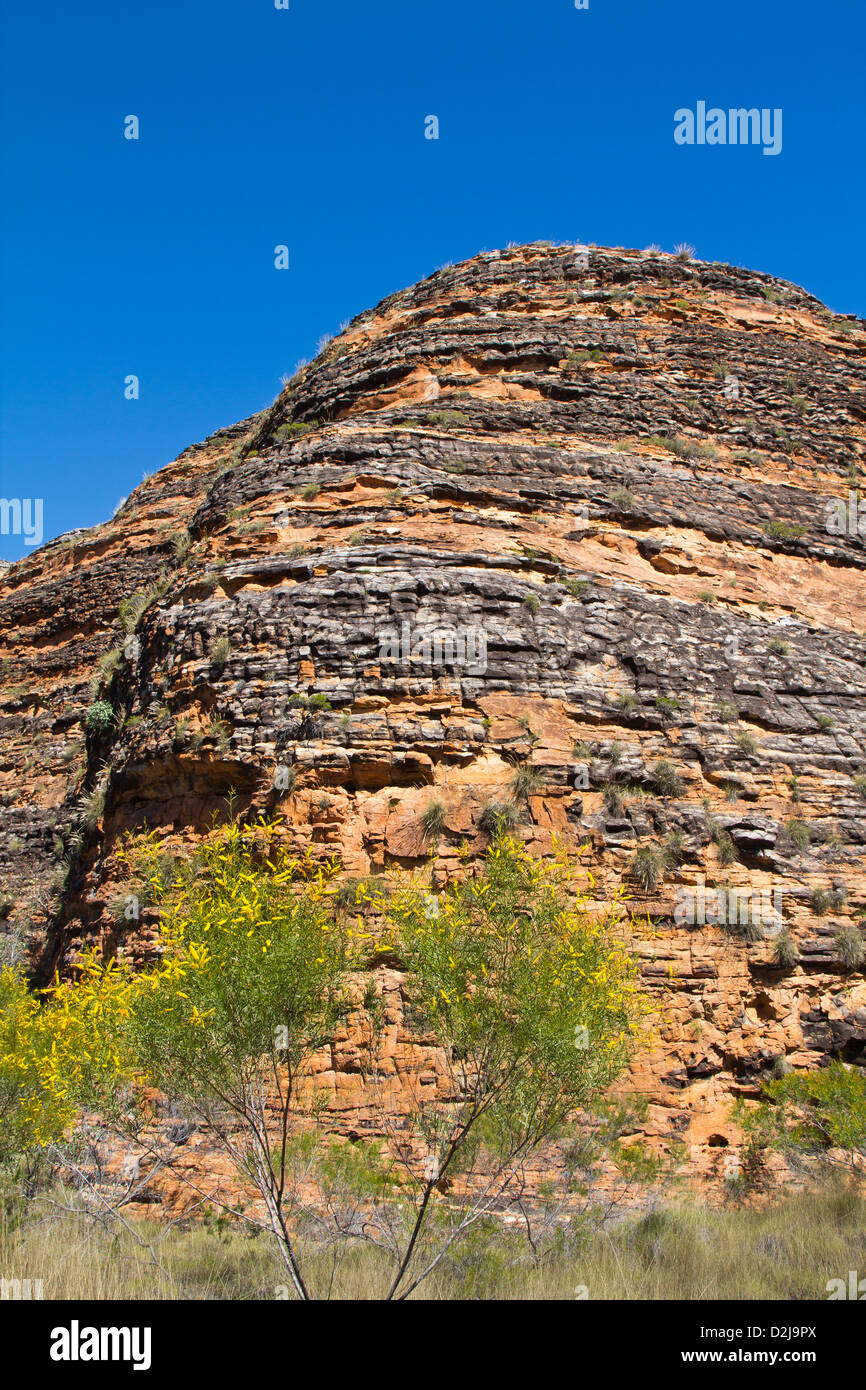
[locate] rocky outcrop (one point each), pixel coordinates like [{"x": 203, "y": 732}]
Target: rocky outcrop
[{"x": 572, "y": 514}]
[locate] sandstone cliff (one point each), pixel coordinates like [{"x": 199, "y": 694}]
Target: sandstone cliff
[{"x": 602, "y": 482}]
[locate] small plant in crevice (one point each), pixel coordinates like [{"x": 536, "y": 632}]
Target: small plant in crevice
[
  {"x": 785, "y": 954},
  {"x": 725, "y": 712},
  {"x": 220, "y": 653},
  {"x": 92, "y": 807},
  {"x": 100, "y": 716},
  {"x": 310, "y": 702},
  {"x": 668, "y": 704},
  {"x": 622, "y": 499},
  {"x": 725, "y": 846},
  {"x": 525, "y": 782},
  {"x": 665, "y": 778},
  {"x": 220, "y": 731},
  {"x": 850, "y": 946},
  {"x": 498, "y": 817},
  {"x": 819, "y": 901},
  {"x": 782, "y": 531},
  {"x": 647, "y": 867},
  {"x": 433, "y": 820},
  {"x": 798, "y": 832},
  {"x": 675, "y": 848}
]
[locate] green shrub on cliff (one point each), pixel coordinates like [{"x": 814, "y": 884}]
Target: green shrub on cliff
[
  {"x": 100, "y": 716},
  {"x": 814, "y": 1115}
]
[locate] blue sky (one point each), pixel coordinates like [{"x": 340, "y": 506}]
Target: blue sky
[{"x": 306, "y": 127}]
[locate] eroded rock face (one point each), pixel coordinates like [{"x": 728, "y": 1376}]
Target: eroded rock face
[{"x": 530, "y": 511}]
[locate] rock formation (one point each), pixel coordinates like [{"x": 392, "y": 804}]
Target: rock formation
[{"x": 590, "y": 516}]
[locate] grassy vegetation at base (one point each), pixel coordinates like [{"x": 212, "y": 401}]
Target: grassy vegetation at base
[{"x": 787, "y": 1251}]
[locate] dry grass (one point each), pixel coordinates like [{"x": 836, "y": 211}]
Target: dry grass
[{"x": 787, "y": 1251}]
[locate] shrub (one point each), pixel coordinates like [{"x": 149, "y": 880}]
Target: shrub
[
  {"x": 614, "y": 798},
  {"x": 220, "y": 731},
  {"x": 107, "y": 665},
  {"x": 433, "y": 820},
  {"x": 824, "y": 721},
  {"x": 850, "y": 946},
  {"x": 647, "y": 867},
  {"x": 747, "y": 742},
  {"x": 310, "y": 702},
  {"x": 447, "y": 418},
  {"x": 498, "y": 817},
  {"x": 785, "y": 954},
  {"x": 815, "y": 1113},
  {"x": 782, "y": 531},
  {"x": 532, "y": 602},
  {"x": 819, "y": 899},
  {"x": 622, "y": 499},
  {"x": 220, "y": 653},
  {"x": 131, "y": 609},
  {"x": 667, "y": 704},
  {"x": 675, "y": 847},
  {"x": 666, "y": 779},
  {"x": 92, "y": 807},
  {"x": 778, "y": 646},
  {"x": 311, "y": 492},
  {"x": 525, "y": 782},
  {"x": 725, "y": 846},
  {"x": 294, "y": 429},
  {"x": 100, "y": 716},
  {"x": 799, "y": 832}
]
